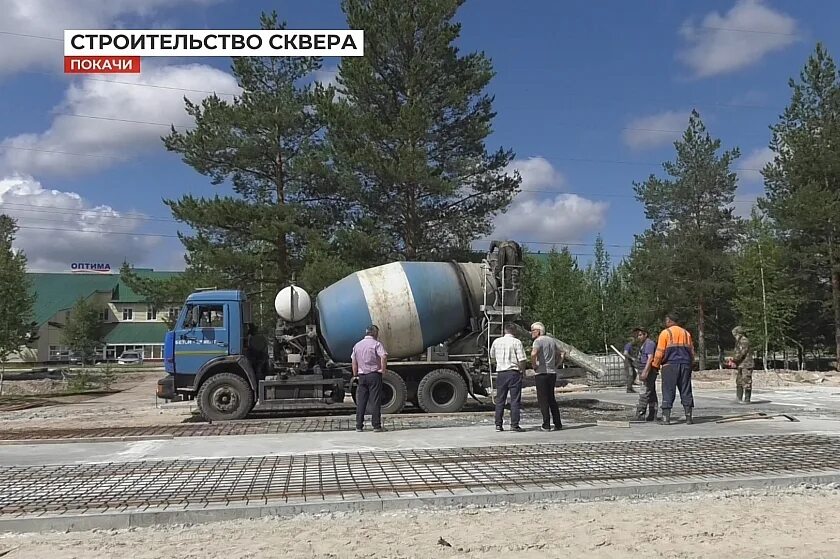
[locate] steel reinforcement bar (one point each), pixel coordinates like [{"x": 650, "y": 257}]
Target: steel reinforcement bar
[{"x": 27, "y": 491}]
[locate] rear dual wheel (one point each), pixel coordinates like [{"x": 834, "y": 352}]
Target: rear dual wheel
[
  {"x": 442, "y": 391},
  {"x": 394, "y": 393}
]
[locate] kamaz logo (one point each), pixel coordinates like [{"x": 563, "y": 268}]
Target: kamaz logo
[{"x": 102, "y": 268}]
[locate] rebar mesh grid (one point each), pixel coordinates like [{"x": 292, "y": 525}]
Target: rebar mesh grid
[
  {"x": 250, "y": 427},
  {"x": 201, "y": 483}
]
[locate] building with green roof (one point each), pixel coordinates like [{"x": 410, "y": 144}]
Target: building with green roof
[{"x": 130, "y": 323}]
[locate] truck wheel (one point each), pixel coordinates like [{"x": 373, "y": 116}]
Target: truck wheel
[
  {"x": 442, "y": 391},
  {"x": 225, "y": 397},
  {"x": 394, "y": 392}
]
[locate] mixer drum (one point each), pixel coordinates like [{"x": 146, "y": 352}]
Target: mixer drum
[{"x": 414, "y": 304}]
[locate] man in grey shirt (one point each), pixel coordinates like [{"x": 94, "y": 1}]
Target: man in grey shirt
[{"x": 546, "y": 358}]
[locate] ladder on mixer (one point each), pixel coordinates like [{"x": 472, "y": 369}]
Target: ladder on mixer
[{"x": 496, "y": 315}]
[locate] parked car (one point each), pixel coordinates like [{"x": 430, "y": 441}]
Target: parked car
[{"x": 130, "y": 358}]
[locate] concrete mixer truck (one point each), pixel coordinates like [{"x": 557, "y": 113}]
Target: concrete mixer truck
[{"x": 436, "y": 319}]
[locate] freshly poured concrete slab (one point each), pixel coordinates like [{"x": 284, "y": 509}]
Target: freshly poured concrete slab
[{"x": 454, "y": 437}]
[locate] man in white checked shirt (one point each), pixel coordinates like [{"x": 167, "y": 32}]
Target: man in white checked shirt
[{"x": 508, "y": 354}]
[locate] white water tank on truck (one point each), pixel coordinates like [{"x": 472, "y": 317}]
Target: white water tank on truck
[
  {"x": 414, "y": 304},
  {"x": 292, "y": 304}
]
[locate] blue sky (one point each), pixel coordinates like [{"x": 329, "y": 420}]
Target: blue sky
[{"x": 589, "y": 95}]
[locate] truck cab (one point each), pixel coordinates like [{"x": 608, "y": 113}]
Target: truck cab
[
  {"x": 212, "y": 355},
  {"x": 207, "y": 338}
]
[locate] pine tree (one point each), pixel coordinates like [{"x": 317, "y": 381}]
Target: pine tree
[
  {"x": 410, "y": 131},
  {"x": 767, "y": 296},
  {"x": 692, "y": 226},
  {"x": 803, "y": 183},
  {"x": 267, "y": 144},
  {"x": 621, "y": 302},
  {"x": 598, "y": 278},
  {"x": 16, "y": 297},
  {"x": 556, "y": 293}
]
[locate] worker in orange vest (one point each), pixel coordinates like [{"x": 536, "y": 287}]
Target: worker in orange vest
[{"x": 674, "y": 357}]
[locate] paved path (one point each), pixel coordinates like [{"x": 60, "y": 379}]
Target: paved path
[
  {"x": 140, "y": 492},
  {"x": 114, "y": 484}
]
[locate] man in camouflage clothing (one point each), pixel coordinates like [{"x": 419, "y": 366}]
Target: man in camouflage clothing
[{"x": 744, "y": 361}]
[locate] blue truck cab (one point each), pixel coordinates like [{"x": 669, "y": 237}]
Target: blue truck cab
[
  {"x": 208, "y": 339},
  {"x": 212, "y": 356}
]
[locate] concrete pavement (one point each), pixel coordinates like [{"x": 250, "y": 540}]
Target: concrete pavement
[{"x": 214, "y": 463}]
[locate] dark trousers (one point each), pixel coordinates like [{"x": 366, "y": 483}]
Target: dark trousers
[
  {"x": 629, "y": 374},
  {"x": 648, "y": 397},
  {"x": 508, "y": 382},
  {"x": 674, "y": 376},
  {"x": 545, "y": 397},
  {"x": 369, "y": 395}
]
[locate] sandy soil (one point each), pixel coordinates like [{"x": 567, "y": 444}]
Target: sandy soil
[
  {"x": 798, "y": 523},
  {"x": 134, "y": 405},
  {"x": 766, "y": 379}
]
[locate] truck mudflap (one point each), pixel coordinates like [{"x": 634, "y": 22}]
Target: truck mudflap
[{"x": 166, "y": 388}]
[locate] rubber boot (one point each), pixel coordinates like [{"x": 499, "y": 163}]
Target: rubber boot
[
  {"x": 651, "y": 415},
  {"x": 739, "y": 391},
  {"x": 747, "y": 396},
  {"x": 666, "y": 417},
  {"x": 688, "y": 419}
]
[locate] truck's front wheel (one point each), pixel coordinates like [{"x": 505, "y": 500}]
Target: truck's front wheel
[
  {"x": 442, "y": 391},
  {"x": 225, "y": 397}
]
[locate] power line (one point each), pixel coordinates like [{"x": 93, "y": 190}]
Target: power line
[
  {"x": 137, "y": 216},
  {"x": 99, "y": 232},
  {"x": 709, "y": 27},
  {"x": 90, "y": 78},
  {"x": 563, "y": 124},
  {"x": 736, "y": 30},
  {"x": 572, "y": 159},
  {"x": 134, "y": 216},
  {"x": 569, "y": 243},
  {"x": 124, "y": 120},
  {"x": 161, "y": 235},
  {"x": 30, "y": 36},
  {"x": 59, "y": 152}
]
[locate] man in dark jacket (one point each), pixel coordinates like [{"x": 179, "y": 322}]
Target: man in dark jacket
[{"x": 647, "y": 399}]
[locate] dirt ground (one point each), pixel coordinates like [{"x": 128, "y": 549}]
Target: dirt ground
[
  {"x": 766, "y": 379},
  {"x": 799, "y": 522},
  {"x": 135, "y": 404}
]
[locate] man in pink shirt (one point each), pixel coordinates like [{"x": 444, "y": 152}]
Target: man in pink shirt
[{"x": 369, "y": 360}]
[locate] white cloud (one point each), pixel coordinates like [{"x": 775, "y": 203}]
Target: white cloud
[
  {"x": 327, "y": 76},
  {"x": 655, "y": 130},
  {"x": 756, "y": 160},
  {"x": 739, "y": 38},
  {"x": 105, "y": 142},
  {"x": 49, "y": 18},
  {"x": 57, "y": 227},
  {"x": 744, "y": 204},
  {"x": 536, "y": 173},
  {"x": 539, "y": 216}
]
